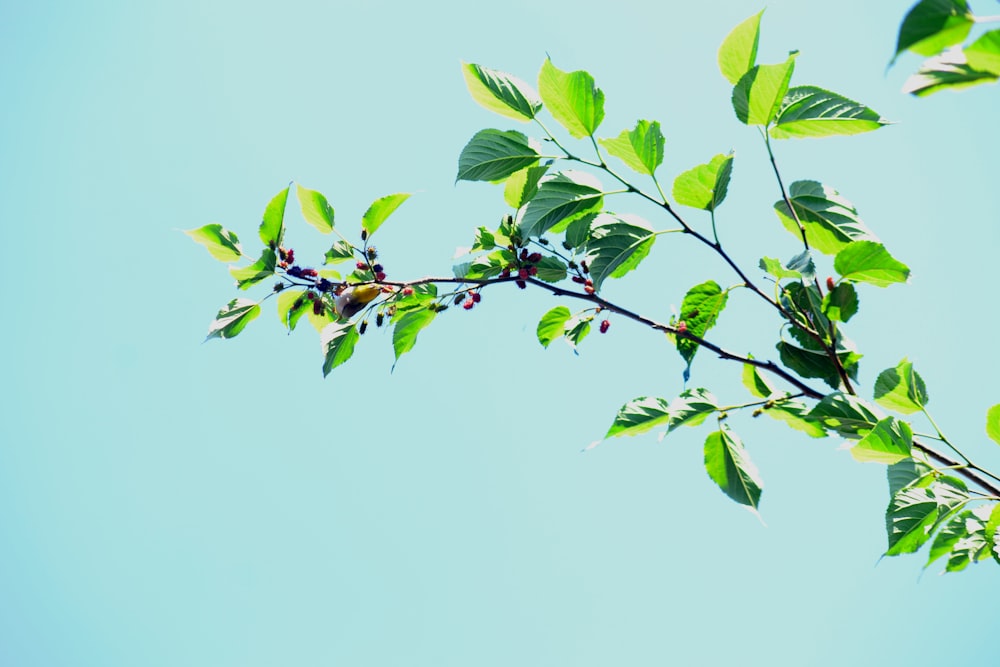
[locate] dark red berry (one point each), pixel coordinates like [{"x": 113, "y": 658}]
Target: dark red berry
[
  {"x": 524, "y": 254},
  {"x": 380, "y": 276},
  {"x": 521, "y": 284},
  {"x": 309, "y": 273},
  {"x": 317, "y": 307},
  {"x": 361, "y": 266},
  {"x": 532, "y": 270},
  {"x": 829, "y": 283},
  {"x": 291, "y": 256},
  {"x": 476, "y": 297},
  {"x": 522, "y": 273},
  {"x": 535, "y": 257},
  {"x": 578, "y": 279},
  {"x": 505, "y": 273},
  {"x": 583, "y": 265},
  {"x": 605, "y": 325}
]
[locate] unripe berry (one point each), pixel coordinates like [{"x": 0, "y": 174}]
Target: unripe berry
[
  {"x": 682, "y": 326},
  {"x": 829, "y": 283},
  {"x": 371, "y": 252},
  {"x": 605, "y": 325},
  {"x": 468, "y": 304},
  {"x": 309, "y": 273},
  {"x": 361, "y": 266},
  {"x": 589, "y": 289},
  {"x": 407, "y": 291},
  {"x": 363, "y": 328},
  {"x": 379, "y": 318},
  {"x": 524, "y": 254}
]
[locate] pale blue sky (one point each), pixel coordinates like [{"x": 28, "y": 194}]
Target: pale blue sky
[{"x": 164, "y": 502}]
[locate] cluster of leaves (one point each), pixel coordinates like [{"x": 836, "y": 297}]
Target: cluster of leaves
[
  {"x": 940, "y": 29},
  {"x": 560, "y": 235}
]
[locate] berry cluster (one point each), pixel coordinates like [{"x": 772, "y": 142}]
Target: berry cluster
[
  {"x": 286, "y": 257},
  {"x": 471, "y": 300},
  {"x": 524, "y": 266}
]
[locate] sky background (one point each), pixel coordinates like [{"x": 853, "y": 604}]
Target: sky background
[{"x": 168, "y": 502}]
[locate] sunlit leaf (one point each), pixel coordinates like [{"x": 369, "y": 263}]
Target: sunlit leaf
[
  {"x": 830, "y": 221},
  {"x": 340, "y": 251},
  {"x": 869, "y": 262},
  {"x": 500, "y": 92},
  {"x": 572, "y": 98},
  {"x": 315, "y": 209},
  {"x": 337, "y": 340},
  {"x": 699, "y": 311},
  {"x": 640, "y": 148},
  {"x": 993, "y": 423},
  {"x": 492, "y": 155},
  {"x": 523, "y": 185},
  {"x": 949, "y": 70},
  {"x": 232, "y": 318},
  {"x": 692, "y": 407},
  {"x": 984, "y": 53},
  {"x": 841, "y": 303},
  {"x": 758, "y": 94},
  {"x": 847, "y": 415},
  {"x": 221, "y": 243},
  {"x": 404, "y": 335},
  {"x": 932, "y": 25},
  {"x": 915, "y": 511},
  {"x": 552, "y": 324},
  {"x": 808, "y": 111},
  {"x": 381, "y": 209},
  {"x": 616, "y": 245},
  {"x": 889, "y": 442},
  {"x": 738, "y": 52},
  {"x": 729, "y": 466},
  {"x": 262, "y": 269},
  {"x": 561, "y": 198},
  {"x": 639, "y": 416},
  {"x": 272, "y": 226},
  {"x": 704, "y": 187},
  {"x": 901, "y": 389}
]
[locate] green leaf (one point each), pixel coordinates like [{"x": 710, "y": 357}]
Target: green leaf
[
  {"x": 949, "y": 70},
  {"x": 221, "y": 243},
  {"x": 616, "y": 245},
  {"x": 796, "y": 415},
  {"x": 841, "y": 303},
  {"x": 576, "y": 329},
  {"x": 758, "y": 94},
  {"x": 704, "y": 187},
  {"x": 578, "y": 231},
  {"x": 729, "y": 466},
  {"x": 738, "y": 52},
  {"x": 523, "y": 185},
  {"x": 552, "y": 325},
  {"x": 869, "y": 262},
  {"x": 692, "y": 407},
  {"x": 775, "y": 268},
  {"x": 847, "y": 415},
  {"x": 906, "y": 473},
  {"x": 811, "y": 363},
  {"x": 700, "y": 311},
  {"x": 561, "y": 198},
  {"x": 641, "y": 148},
  {"x": 830, "y": 221},
  {"x": 803, "y": 264},
  {"x": 232, "y": 318},
  {"x": 901, "y": 389},
  {"x": 572, "y": 98},
  {"x": 756, "y": 383},
  {"x": 381, "y": 209},
  {"x": 984, "y": 53},
  {"x": 639, "y": 416},
  {"x": 404, "y": 335},
  {"x": 337, "y": 340},
  {"x": 932, "y": 25},
  {"x": 550, "y": 269},
  {"x": 272, "y": 226},
  {"x": 315, "y": 209},
  {"x": 915, "y": 511},
  {"x": 964, "y": 538},
  {"x": 501, "y": 93},
  {"x": 260, "y": 270},
  {"x": 340, "y": 251},
  {"x": 992, "y": 531},
  {"x": 889, "y": 442},
  {"x": 492, "y": 155},
  {"x": 292, "y": 305},
  {"x": 993, "y": 423},
  {"x": 808, "y": 111}
]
